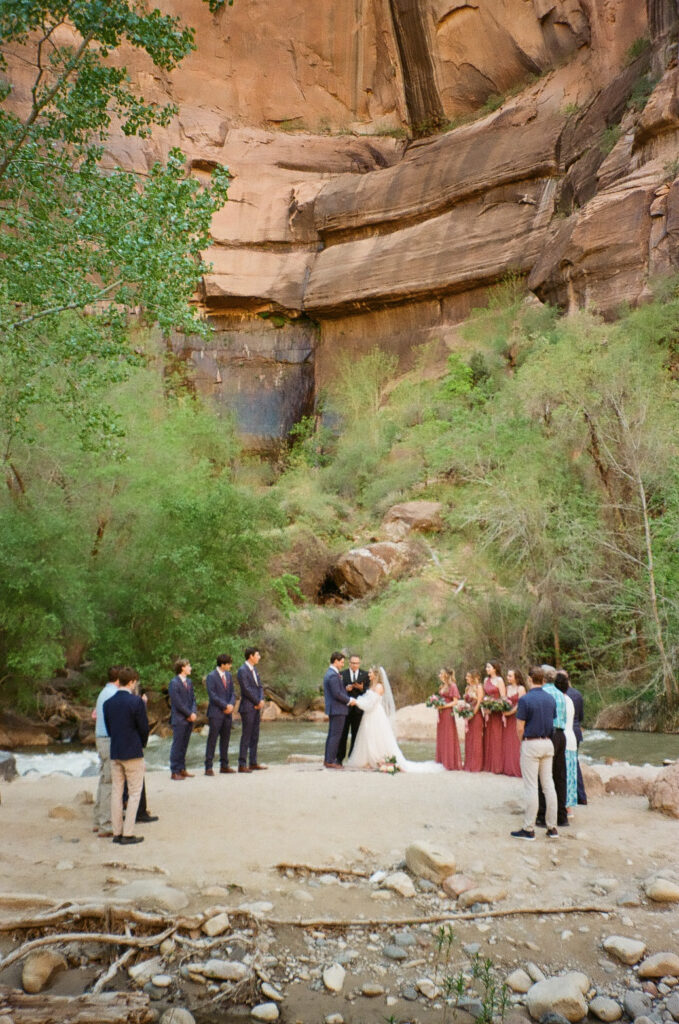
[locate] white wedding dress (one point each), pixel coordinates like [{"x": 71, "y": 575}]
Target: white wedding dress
[{"x": 375, "y": 740}]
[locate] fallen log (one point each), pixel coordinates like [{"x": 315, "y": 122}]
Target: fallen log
[
  {"x": 106, "y": 1008},
  {"x": 309, "y": 869}
]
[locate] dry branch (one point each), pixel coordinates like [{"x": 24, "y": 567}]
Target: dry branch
[
  {"x": 106, "y": 1008},
  {"x": 309, "y": 869},
  {"x": 111, "y": 971},
  {"x": 138, "y": 942},
  {"x": 82, "y": 912}
]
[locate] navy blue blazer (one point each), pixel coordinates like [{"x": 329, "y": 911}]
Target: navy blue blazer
[
  {"x": 127, "y": 724},
  {"x": 251, "y": 691},
  {"x": 220, "y": 696},
  {"x": 182, "y": 700},
  {"x": 336, "y": 697},
  {"x": 579, "y": 715}
]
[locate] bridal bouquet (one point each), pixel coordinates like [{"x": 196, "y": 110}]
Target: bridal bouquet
[
  {"x": 388, "y": 765},
  {"x": 464, "y": 709},
  {"x": 500, "y": 704},
  {"x": 435, "y": 701}
]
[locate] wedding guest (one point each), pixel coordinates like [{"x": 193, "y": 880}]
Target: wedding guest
[
  {"x": 534, "y": 723},
  {"x": 337, "y": 703},
  {"x": 447, "y": 741},
  {"x": 356, "y": 682},
  {"x": 579, "y": 705},
  {"x": 128, "y": 727},
  {"x": 250, "y": 708},
  {"x": 559, "y": 757},
  {"x": 102, "y": 803},
  {"x": 511, "y": 751},
  {"x": 473, "y": 742},
  {"x": 494, "y": 689},
  {"x": 183, "y": 713},
  {"x": 221, "y": 697},
  {"x": 561, "y": 683}
]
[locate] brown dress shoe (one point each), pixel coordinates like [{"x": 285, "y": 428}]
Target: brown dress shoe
[
  {"x": 209, "y": 771},
  {"x": 245, "y": 771},
  {"x": 177, "y": 776},
  {"x": 227, "y": 771},
  {"x": 105, "y": 835},
  {"x": 258, "y": 767},
  {"x": 187, "y": 775},
  {"x": 331, "y": 764}
]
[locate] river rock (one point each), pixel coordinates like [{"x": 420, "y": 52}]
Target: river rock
[
  {"x": 39, "y": 968},
  {"x": 628, "y": 951},
  {"x": 672, "y": 1005},
  {"x": 224, "y": 970},
  {"x": 333, "y": 977},
  {"x": 258, "y": 908},
  {"x": 659, "y": 965},
  {"x": 216, "y": 925},
  {"x": 177, "y": 1015},
  {"x": 8, "y": 766},
  {"x": 455, "y": 885},
  {"x": 636, "y": 1003},
  {"x": 161, "y": 980},
  {"x": 663, "y": 792},
  {"x": 605, "y": 1009},
  {"x": 371, "y": 989},
  {"x": 427, "y": 987},
  {"x": 270, "y": 992},
  {"x": 143, "y": 971},
  {"x": 519, "y": 981},
  {"x": 334, "y": 1018},
  {"x": 662, "y": 890},
  {"x": 394, "y": 952},
  {"x": 564, "y": 994},
  {"x": 481, "y": 894},
  {"x": 149, "y": 894},
  {"x": 429, "y": 861},
  {"x": 265, "y": 1011},
  {"x": 401, "y": 883}
]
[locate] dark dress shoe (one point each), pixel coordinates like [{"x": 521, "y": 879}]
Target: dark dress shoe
[
  {"x": 129, "y": 840},
  {"x": 187, "y": 775},
  {"x": 227, "y": 771},
  {"x": 145, "y": 818},
  {"x": 117, "y": 839},
  {"x": 245, "y": 771},
  {"x": 209, "y": 771},
  {"x": 258, "y": 767},
  {"x": 177, "y": 776}
]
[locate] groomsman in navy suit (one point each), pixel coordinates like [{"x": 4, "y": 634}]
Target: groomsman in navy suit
[
  {"x": 183, "y": 713},
  {"x": 222, "y": 697},
  {"x": 337, "y": 704},
  {"x": 251, "y": 704},
  {"x": 128, "y": 727}
]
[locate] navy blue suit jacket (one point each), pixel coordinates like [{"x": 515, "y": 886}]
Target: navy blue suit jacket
[
  {"x": 579, "y": 715},
  {"x": 182, "y": 700},
  {"x": 251, "y": 691},
  {"x": 127, "y": 724},
  {"x": 220, "y": 696},
  {"x": 336, "y": 697}
]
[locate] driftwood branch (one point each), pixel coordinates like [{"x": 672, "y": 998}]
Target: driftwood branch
[
  {"x": 138, "y": 942},
  {"x": 84, "y": 912},
  {"x": 105, "y": 1008},
  {"x": 309, "y": 869},
  {"x": 111, "y": 972}
]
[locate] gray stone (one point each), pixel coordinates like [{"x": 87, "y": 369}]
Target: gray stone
[
  {"x": 39, "y": 968},
  {"x": 177, "y": 1015},
  {"x": 564, "y": 994},
  {"x": 636, "y": 1003},
  {"x": 409, "y": 993},
  {"x": 347, "y": 956},
  {"x": 223, "y": 970},
  {"x": 429, "y": 861},
  {"x": 659, "y": 965},
  {"x": 153, "y": 992},
  {"x": 628, "y": 951},
  {"x": 628, "y": 899},
  {"x": 8, "y": 766},
  {"x": 333, "y": 977},
  {"x": 265, "y": 1011},
  {"x": 148, "y": 894},
  {"x": 605, "y": 1009},
  {"x": 424, "y": 885},
  {"x": 405, "y": 939},
  {"x": 471, "y": 948},
  {"x": 471, "y": 1005},
  {"x": 672, "y": 1005},
  {"x": 519, "y": 981},
  {"x": 553, "y": 1018},
  {"x": 393, "y": 952}
]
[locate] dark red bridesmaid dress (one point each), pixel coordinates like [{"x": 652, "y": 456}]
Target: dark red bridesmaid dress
[
  {"x": 511, "y": 753},
  {"x": 447, "y": 741},
  {"x": 493, "y": 737},
  {"x": 473, "y": 740}
]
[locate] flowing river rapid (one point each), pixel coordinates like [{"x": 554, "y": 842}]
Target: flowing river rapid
[{"x": 278, "y": 740}]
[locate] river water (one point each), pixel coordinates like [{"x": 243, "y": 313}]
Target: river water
[{"x": 278, "y": 740}]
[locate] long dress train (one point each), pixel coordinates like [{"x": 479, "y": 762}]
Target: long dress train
[{"x": 375, "y": 741}]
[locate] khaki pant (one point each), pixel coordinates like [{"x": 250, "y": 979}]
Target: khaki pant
[
  {"x": 536, "y": 763},
  {"x": 102, "y": 803},
  {"x": 131, "y": 771}
]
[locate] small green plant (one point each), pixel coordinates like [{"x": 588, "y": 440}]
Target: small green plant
[
  {"x": 460, "y": 377},
  {"x": 292, "y": 124},
  {"x": 493, "y": 102},
  {"x": 493, "y": 996},
  {"x": 640, "y": 46},
  {"x": 570, "y": 108},
  {"x": 609, "y": 138},
  {"x": 445, "y": 937},
  {"x": 384, "y": 131},
  {"x": 641, "y": 92}
]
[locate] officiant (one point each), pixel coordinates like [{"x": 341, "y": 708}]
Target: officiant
[{"x": 355, "y": 681}]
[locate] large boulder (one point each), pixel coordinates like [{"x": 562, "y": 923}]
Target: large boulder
[
  {"x": 427, "y": 860},
  {"x": 663, "y": 793},
  {"x": 564, "y": 994},
  {"x": 19, "y": 731},
  {"x": 422, "y": 516},
  {"x": 362, "y": 570}
]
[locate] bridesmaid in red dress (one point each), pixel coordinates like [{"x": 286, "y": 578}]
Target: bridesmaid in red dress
[
  {"x": 493, "y": 739},
  {"x": 473, "y": 742},
  {"x": 512, "y": 748},
  {"x": 447, "y": 741}
]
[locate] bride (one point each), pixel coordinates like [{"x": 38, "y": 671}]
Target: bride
[{"x": 375, "y": 741}]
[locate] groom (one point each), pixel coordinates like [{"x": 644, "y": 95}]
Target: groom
[{"x": 337, "y": 704}]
